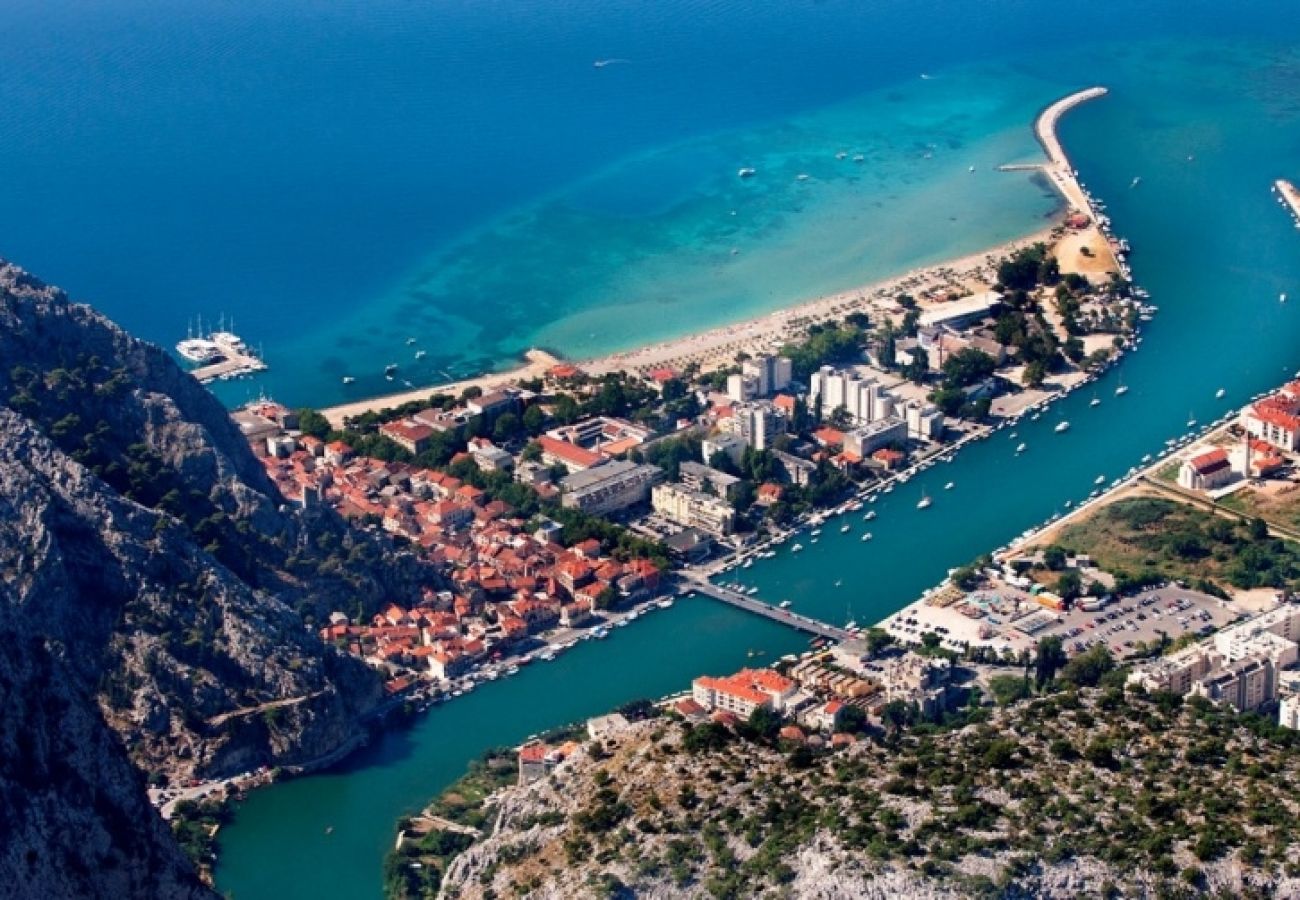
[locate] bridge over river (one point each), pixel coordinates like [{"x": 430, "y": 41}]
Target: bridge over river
[{"x": 754, "y": 605}]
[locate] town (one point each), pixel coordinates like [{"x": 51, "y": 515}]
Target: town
[{"x": 554, "y": 509}]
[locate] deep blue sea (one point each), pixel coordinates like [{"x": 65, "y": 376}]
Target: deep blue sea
[
  {"x": 340, "y": 177},
  {"x": 337, "y": 178}
]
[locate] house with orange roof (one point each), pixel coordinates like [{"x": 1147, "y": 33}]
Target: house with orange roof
[
  {"x": 1206, "y": 471},
  {"x": 769, "y": 492},
  {"x": 571, "y": 456},
  {"x": 1274, "y": 420},
  {"x": 744, "y": 692}
]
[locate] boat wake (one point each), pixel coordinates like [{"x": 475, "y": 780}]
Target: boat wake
[{"x": 602, "y": 63}]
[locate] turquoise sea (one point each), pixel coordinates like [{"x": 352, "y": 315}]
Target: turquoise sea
[{"x": 341, "y": 177}]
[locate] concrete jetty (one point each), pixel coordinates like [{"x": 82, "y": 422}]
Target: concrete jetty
[
  {"x": 1290, "y": 197},
  {"x": 758, "y": 607},
  {"x": 1058, "y": 166}
]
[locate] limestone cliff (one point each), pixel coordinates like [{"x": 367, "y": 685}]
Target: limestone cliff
[{"x": 153, "y": 589}]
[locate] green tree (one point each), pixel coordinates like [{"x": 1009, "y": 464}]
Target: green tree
[
  {"x": 1035, "y": 374},
  {"x": 1054, "y": 557},
  {"x": 1049, "y": 656},
  {"x": 534, "y": 419},
  {"x": 312, "y": 422},
  {"x": 507, "y": 426}
]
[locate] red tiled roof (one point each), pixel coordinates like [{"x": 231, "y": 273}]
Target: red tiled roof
[
  {"x": 1208, "y": 463},
  {"x": 568, "y": 452}
]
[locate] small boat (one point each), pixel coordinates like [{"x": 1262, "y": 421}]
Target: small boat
[
  {"x": 866, "y": 536},
  {"x": 796, "y": 548},
  {"x": 348, "y": 379},
  {"x": 421, "y": 354},
  {"x": 1136, "y": 181},
  {"x": 784, "y": 604},
  {"x": 1096, "y": 401},
  {"x": 746, "y": 172},
  {"x": 1147, "y": 458},
  {"x": 802, "y": 176},
  {"x": 924, "y": 502},
  {"x": 410, "y": 341},
  {"x": 1062, "y": 427},
  {"x": 841, "y": 155},
  {"x": 390, "y": 370},
  {"x": 665, "y": 604},
  {"x": 871, "y": 514},
  {"x": 752, "y": 591},
  {"x": 1281, "y": 298},
  {"x": 971, "y": 169},
  {"x": 1022, "y": 448},
  {"x": 1100, "y": 479},
  {"x": 816, "y": 531},
  {"x": 949, "y": 486},
  {"x": 1191, "y": 420},
  {"x": 844, "y": 529},
  {"x": 1220, "y": 394},
  {"x": 859, "y": 158},
  {"x": 1121, "y": 390}
]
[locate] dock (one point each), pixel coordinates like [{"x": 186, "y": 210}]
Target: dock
[
  {"x": 1289, "y": 197},
  {"x": 766, "y": 610},
  {"x": 236, "y": 359}
]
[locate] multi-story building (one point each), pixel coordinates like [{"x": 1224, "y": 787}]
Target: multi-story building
[
  {"x": 866, "y": 439},
  {"x": 409, "y": 435},
  {"x": 609, "y": 487},
  {"x": 723, "y": 442},
  {"x": 694, "y": 509},
  {"x": 1275, "y": 420},
  {"x": 1245, "y": 684},
  {"x": 705, "y": 478},
  {"x": 864, "y": 399},
  {"x": 758, "y": 423},
  {"x": 760, "y": 377},
  {"x": 924, "y": 420},
  {"x": 1288, "y": 712},
  {"x": 744, "y": 692}
]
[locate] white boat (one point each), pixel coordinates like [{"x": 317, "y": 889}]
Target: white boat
[
  {"x": 1096, "y": 401},
  {"x": 796, "y": 548},
  {"x": 1147, "y": 458},
  {"x": 665, "y": 604},
  {"x": 1136, "y": 181},
  {"x": 1220, "y": 394},
  {"x": 747, "y": 172},
  {"x": 784, "y": 604},
  {"x": 1100, "y": 479},
  {"x": 949, "y": 486},
  {"x": 1062, "y": 427},
  {"x": 421, "y": 354},
  {"x": 752, "y": 591},
  {"x": 971, "y": 169},
  {"x": 801, "y": 177},
  {"x": 844, "y": 529},
  {"x": 1191, "y": 420},
  {"x": 1121, "y": 390},
  {"x": 816, "y": 531},
  {"x": 924, "y": 502},
  {"x": 866, "y": 536},
  {"x": 348, "y": 379},
  {"x": 871, "y": 514},
  {"x": 1281, "y": 298},
  {"x": 1022, "y": 448}
]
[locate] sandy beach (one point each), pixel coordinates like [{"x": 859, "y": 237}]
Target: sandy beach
[{"x": 718, "y": 347}]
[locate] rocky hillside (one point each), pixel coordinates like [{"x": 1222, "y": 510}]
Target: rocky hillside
[
  {"x": 155, "y": 592},
  {"x": 1096, "y": 793}
]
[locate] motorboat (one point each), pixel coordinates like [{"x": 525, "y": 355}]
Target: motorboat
[
  {"x": 1062, "y": 427},
  {"x": 348, "y": 379},
  {"x": 1220, "y": 394},
  {"x": 1022, "y": 448},
  {"x": 866, "y": 536},
  {"x": 924, "y": 502},
  {"x": 949, "y": 486},
  {"x": 747, "y": 172}
]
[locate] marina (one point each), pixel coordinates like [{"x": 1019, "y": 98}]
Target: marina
[{"x": 220, "y": 355}]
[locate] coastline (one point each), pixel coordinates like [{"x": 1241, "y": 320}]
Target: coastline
[{"x": 717, "y": 347}]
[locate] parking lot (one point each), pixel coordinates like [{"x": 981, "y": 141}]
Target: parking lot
[{"x": 1127, "y": 621}]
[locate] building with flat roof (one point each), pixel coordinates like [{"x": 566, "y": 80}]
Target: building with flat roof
[
  {"x": 693, "y": 508},
  {"x": 757, "y": 423},
  {"x": 696, "y": 476},
  {"x": 864, "y": 399},
  {"x": 608, "y": 488},
  {"x": 866, "y": 439},
  {"x": 963, "y": 312}
]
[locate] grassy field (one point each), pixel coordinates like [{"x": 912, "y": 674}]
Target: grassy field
[
  {"x": 1149, "y": 539},
  {"x": 1277, "y": 504}
]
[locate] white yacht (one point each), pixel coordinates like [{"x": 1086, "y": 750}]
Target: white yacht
[
  {"x": 949, "y": 486},
  {"x": 747, "y": 172},
  {"x": 924, "y": 502},
  {"x": 866, "y": 536},
  {"x": 348, "y": 379},
  {"x": 1220, "y": 394},
  {"x": 1062, "y": 427},
  {"x": 1022, "y": 448}
]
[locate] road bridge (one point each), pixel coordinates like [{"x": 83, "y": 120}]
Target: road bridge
[{"x": 758, "y": 607}]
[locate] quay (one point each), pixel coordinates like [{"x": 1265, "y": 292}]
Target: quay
[
  {"x": 235, "y": 363},
  {"x": 750, "y": 604},
  {"x": 1289, "y": 197}
]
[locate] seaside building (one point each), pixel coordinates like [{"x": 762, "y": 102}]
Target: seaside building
[
  {"x": 963, "y": 312},
  {"x": 411, "y": 436},
  {"x": 924, "y": 420},
  {"x": 608, "y": 488},
  {"x": 798, "y": 471},
  {"x": 760, "y": 377},
  {"x": 1276, "y": 419},
  {"x": 867, "y": 439},
  {"x": 1288, "y": 712},
  {"x": 864, "y": 399},
  {"x": 1205, "y": 471},
  {"x": 757, "y": 423},
  {"x": 604, "y": 435},
  {"x": 694, "y": 509},
  {"x": 744, "y": 692}
]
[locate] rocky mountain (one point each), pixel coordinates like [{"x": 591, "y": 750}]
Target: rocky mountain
[
  {"x": 156, "y": 602},
  {"x": 1087, "y": 793}
]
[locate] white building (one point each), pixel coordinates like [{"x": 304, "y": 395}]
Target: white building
[
  {"x": 961, "y": 312},
  {"x": 608, "y": 488},
  {"x": 1288, "y": 712},
  {"x": 744, "y": 692},
  {"x": 760, "y": 377},
  {"x": 864, "y": 399},
  {"x": 867, "y": 439},
  {"x": 1205, "y": 471},
  {"x": 693, "y": 509},
  {"x": 924, "y": 420},
  {"x": 723, "y": 442},
  {"x": 757, "y": 423}
]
